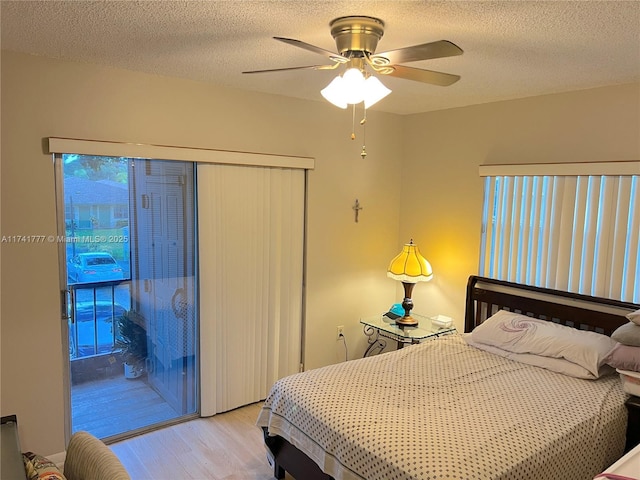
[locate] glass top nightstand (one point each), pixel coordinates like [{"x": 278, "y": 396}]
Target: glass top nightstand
[{"x": 380, "y": 325}]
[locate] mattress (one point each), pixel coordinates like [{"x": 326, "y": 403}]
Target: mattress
[{"x": 446, "y": 410}]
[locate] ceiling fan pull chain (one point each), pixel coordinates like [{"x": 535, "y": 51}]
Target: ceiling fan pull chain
[
  {"x": 363, "y": 122},
  {"x": 353, "y": 123}
]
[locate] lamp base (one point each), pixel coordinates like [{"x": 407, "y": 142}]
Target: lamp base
[{"x": 406, "y": 321}]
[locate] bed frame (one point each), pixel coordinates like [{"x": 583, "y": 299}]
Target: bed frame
[{"x": 485, "y": 296}]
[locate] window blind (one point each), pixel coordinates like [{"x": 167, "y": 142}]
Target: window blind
[
  {"x": 251, "y": 240},
  {"x": 578, "y": 233}
]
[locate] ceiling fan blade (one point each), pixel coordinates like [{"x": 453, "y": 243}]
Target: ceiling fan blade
[
  {"x": 308, "y": 67},
  {"x": 426, "y": 51},
  {"x": 424, "y": 76},
  {"x": 312, "y": 48}
]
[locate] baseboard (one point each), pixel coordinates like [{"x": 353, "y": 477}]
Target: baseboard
[{"x": 58, "y": 459}]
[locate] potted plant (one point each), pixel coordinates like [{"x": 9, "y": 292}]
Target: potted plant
[{"x": 131, "y": 342}]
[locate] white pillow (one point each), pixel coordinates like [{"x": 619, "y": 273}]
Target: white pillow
[
  {"x": 634, "y": 316},
  {"x": 627, "y": 334},
  {"x": 558, "y": 365},
  {"x": 521, "y": 334}
]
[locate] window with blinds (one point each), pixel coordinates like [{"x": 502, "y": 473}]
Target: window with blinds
[{"x": 578, "y": 233}]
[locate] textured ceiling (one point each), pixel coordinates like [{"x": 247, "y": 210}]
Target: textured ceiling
[{"x": 512, "y": 49}]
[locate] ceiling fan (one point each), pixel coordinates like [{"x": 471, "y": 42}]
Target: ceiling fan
[{"x": 356, "y": 39}]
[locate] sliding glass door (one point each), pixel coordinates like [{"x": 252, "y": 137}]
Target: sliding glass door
[
  {"x": 145, "y": 349},
  {"x": 128, "y": 256},
  {"x": 164, "y": 263}
]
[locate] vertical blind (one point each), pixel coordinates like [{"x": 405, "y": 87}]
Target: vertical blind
[
  {"x": 578, "y": 233},
  {"x": 251, "y": 231}
]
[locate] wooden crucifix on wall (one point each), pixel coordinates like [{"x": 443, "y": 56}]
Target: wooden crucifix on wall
[{"x": 356, "y": 207}]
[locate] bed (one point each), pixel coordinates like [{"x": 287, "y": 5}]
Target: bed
[{"x": 456, "y": 409}]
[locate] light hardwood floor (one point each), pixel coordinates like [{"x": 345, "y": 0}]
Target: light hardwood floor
[{"x": 228, "y": 446}]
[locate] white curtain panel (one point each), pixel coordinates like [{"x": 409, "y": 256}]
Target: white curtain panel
[
  {"x": 251, "y": 239},
  {"x": 576, "y": 233}
]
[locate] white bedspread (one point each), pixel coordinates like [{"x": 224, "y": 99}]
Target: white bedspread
[{"x": 445, "y": 410}]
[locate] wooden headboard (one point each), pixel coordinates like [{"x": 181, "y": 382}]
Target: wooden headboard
[{"x": 485, "y": 296}]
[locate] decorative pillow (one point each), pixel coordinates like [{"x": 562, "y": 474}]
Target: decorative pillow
[
  {"x": 38, "y": 467},
  {"x": 624, "y": 357},
  {"x": 628, "y": 334},
  {"x": 518, "y": 333},
  {"x": 634, "y": 316},
  {"x": 558, "y": 365}
]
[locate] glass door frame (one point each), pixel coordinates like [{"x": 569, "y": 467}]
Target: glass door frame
[
  {"x": 68, "y": 307},
  {"x": 66, "y": 294}
]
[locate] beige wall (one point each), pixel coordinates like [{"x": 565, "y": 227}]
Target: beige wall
[
  {"x": 442, "y": 192},
  {"x": 428, "y": 162}
]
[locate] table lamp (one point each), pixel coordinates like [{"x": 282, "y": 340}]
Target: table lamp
[{"x": 409, "y": 267}]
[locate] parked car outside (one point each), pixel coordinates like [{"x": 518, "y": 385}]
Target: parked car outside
[
  {"x": 93, "y": 267},
  {"x": 94, "y": 321}
]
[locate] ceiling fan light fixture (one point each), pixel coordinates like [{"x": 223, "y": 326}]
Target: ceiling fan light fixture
[
  {"x": 334, "y": 93},
  {"x": 352, "y": 88},
  {"x": 353, "y": 85},
  {"x": 374, "y": 91},
  {"x": 348, "y": 88}
]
